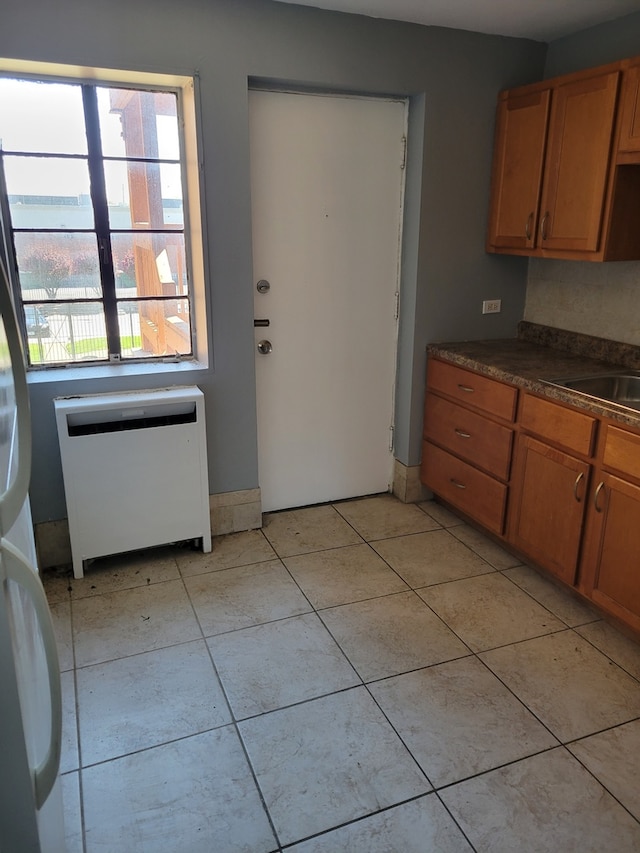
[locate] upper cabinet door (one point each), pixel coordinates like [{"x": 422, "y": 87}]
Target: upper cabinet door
[
  {"x": 577, "y": 166},
  {"x": 629, "y": 140},
  {"x": 521, "y": 130}
]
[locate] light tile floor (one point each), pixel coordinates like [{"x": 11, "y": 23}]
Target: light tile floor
[{"x": 365, "y": 677}]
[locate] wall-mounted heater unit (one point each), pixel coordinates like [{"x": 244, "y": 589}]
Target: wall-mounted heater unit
[{"x": 135, "y": 471}]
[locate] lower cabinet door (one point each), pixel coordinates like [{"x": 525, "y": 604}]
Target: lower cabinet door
[
  {"x": 476, "y": 494},
  {"x": 615, "y": 556},
  {"x": 548, "y": 506}
]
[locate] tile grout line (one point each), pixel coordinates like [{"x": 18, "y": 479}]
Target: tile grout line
[
  {"x": 602, "y": 652},
  {"x": 317, "y": 612},
  {"x": 561, "y": 742},
  {"x": 234, "y": 723},
  {"x": 359, "y": 819},
  {"x": 565, "y": 627},
  {"x": 593, "y": 775},
  {"x": 83, "y": 840},
  {"x": 454, "y": 819},
  {"x": 537, "y": 600}
]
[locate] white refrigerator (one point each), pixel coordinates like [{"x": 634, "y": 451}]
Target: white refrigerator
[{"x": 31, "y": 812}]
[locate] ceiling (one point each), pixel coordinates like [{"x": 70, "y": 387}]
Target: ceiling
[{"x": 542, "y": 20}]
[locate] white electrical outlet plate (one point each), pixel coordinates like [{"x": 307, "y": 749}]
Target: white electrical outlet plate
[{"x": 492, "y": 306}]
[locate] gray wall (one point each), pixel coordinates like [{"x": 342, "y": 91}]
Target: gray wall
[
  {"x": 453, "y": 79},
  {"x": 595, "y": 46},
  {"x": 595, "y": 299}
]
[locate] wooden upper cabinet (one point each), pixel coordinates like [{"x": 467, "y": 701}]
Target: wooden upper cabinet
[
  {"x": 521, "y": 132},
  {"x": 577, "y": 166},
  {"x": 566, "y": 167}
]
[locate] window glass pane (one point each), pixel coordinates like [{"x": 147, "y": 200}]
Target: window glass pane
[
  {"x": 58, "y": 266},
  {"x": 153, "y": 264},
  {"x": 65, "y": 332},
  {"x": 45, "y": 155},
  {"x": 48, "y": 192},
  {"x": 138, "y": 124},
  {"x": 155, "y": 328},
  {"x": 40, "y": 117},
  {"x": 144, "y": 195}
]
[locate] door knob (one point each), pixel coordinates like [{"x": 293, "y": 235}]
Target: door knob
[{"x": 264, "y": 347}]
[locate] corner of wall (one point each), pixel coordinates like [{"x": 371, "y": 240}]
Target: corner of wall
[
  {"x": 232, "y": 512},
  {"x": 406, "y": 483}
]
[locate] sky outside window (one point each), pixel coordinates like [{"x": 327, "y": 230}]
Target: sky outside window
[
  {"x": 94, "y": 181},
  {"x": 48, "y": 118}
]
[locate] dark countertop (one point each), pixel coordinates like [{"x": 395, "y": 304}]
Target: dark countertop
[{"x": 531, "y": 365}]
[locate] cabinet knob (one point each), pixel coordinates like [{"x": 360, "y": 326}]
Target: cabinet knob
[
  {"x": 461, "y": 433},
  {"x": 466, "y": 388},
  {"x": 457, "y": 484},
  {"x": 575, "y": 487}
]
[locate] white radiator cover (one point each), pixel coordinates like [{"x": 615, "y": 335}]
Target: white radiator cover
[{"x": 135, "y": 470}]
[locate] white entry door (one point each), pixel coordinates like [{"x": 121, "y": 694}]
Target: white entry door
[{"x": 327, "y": 186}]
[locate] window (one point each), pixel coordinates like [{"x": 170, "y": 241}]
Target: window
[{"x": 93, "y": 183}]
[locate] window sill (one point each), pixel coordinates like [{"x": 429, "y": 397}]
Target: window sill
[{"x": 76, "y": 373}]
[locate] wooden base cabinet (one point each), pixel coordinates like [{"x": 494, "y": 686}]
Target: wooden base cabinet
[
  {"x": 475, "y": 494},
  {"x": 611, "y": 562},
  {"x": 468, "y": 439},
  {"x": 568, "y": 500},
  {"x": 612, "y": 558},
  {"x": 548, "y": 506},
  {"x": 550, "y": 484}
]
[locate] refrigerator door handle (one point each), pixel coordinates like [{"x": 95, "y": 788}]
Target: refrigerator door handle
[
  {"x": 12, "y": 500},
  {"x": 18, "y": 570}
]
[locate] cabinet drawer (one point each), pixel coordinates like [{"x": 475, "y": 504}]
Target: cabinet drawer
[
  {"x": 472, "y": 389},
  {"x": 471, "y": 436},
  {"x": 565, "y": 427},
  {"x": 622, "y": 452},
  {"x": 463, "y": 486}
]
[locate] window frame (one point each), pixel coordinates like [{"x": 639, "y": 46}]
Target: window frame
[{"x": 186, "y": 90}]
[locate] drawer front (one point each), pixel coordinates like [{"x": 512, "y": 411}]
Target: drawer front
[
  {"x": 622, "y": 452},
  {"x": 463, "y": 486},
  {"x": 472, "y": 389},
  {"x": 469, "y": 435},
  {"x": 565, "y": 427}
]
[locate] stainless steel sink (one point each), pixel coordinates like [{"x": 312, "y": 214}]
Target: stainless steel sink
[{"x": 622, "y": 388}]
